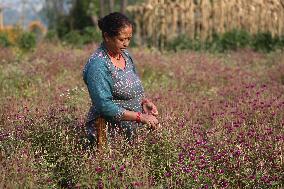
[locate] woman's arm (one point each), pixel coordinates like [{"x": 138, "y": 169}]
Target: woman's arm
[
  {"x": 99, "y": 86},
  {"x": 150, "y": 120}
]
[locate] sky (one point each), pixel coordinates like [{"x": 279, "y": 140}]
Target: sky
[
  {"x": 18, "y": 4},
  {"x": 14, "y": 8}
]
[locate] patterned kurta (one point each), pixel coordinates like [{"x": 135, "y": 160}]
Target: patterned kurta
[{"x": 112, "y": 90}]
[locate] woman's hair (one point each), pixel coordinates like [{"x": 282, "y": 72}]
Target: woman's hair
[{"x": 113, "y": 23}]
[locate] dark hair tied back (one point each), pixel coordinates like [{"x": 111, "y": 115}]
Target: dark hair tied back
[{"x": 113, "y": 23}]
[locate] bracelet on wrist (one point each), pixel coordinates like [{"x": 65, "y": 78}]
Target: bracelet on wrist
[{"x": 138, "y": 117}]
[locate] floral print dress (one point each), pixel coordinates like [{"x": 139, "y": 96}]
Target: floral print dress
[{"x": 112, "y": 90}]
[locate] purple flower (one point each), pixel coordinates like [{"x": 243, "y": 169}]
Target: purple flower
[
  {"x": 237, "y": 153},
  {"x": 99, "y": 170},
  {"x": 122, "y": 168},
  {"x": 137, "y": 184},
  {"x": 181, "y": 124},
  {"x": 100, "y": 184},
  {"x": 168, "y": 174},
  {"x": 224, "y": 183},
  {"x": 273, "y": 113},
  {"x": 113, "y": 168},
  {"x": 187, "y": 169}
]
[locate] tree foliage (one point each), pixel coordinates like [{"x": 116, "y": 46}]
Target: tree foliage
[{"x": 65, "y": 16}]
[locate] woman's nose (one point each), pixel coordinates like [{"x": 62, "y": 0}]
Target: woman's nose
[{"x": 126, "y": 43}]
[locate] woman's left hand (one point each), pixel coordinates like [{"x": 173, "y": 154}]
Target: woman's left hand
[{"x": 149, "y": 108}]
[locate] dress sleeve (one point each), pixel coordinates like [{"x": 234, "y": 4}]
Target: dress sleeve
[{"x": 99, "y": 83}]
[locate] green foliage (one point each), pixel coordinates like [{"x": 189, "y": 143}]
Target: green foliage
[
  {"x": 27, "y": 41},
  {"x": 73, "y": 38},
  {"x": 79, "y": 18},
  {"x": 93, "y": 8},
  {"x": 51, "y": 36},
  {"x": 16, "y": 82},
  {"x": 182, "y": 42},
  {"x": 91, "y": 34},
  {"x": 280, "y": 42},
  {"x": 264, "y": 42},
  {"x": 58, "y": 142},
  {"x": 218, "y": 130},
  {"x": 4, "y": 40},
  {"x": 155, "y": 79},
  {"x": 76, "y": 18},
  {"x": 231, "y": 40},
  {"x": 160, "y": 155},
  {"x": 63, "y": 27},
  {"x": 76, "y": 38}
]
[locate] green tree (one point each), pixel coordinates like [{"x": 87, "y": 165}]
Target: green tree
[
  {"x": 64, "y": 16},
  {"x": 79, "y": 17},
  {"x": 54, "y": 10}
]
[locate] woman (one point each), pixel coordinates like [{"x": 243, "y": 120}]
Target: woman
[{"x": 115, "y": 89}]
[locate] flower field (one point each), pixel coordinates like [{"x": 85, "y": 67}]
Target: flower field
[{"x": 222, "y": 119}]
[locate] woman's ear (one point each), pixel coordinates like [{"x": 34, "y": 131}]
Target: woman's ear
[{"x": 106, "y": 37}]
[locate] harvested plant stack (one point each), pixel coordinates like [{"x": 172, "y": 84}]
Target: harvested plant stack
[{"x": 159, "y": 21}]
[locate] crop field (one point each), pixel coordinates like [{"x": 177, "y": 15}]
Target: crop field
[{"x": 221, "y": 117}]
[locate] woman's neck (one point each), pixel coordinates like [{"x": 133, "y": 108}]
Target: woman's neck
[
  {"x": 117, "y": 56},
  {"x": 112, "y": 53}
]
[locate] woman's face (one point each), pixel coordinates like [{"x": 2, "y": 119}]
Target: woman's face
[{"x": 120, "y": 42}]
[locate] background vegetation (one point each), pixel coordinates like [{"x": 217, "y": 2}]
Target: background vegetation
[
  {"x": 159, "y": 22},
  {"x": 216, "y": 26},
  {"x": 221, "y": 116},
  {"x": 220, "y": 100}
]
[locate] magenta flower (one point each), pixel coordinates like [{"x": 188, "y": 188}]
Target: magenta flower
[{"x": 168, "y": 174}]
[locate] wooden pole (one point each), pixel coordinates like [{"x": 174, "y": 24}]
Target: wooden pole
[
  {"x": 1, "y": 19},
  {"x": 22, "y": 18},
  {"x": 123, "y": 6},
  {"x": 102, "y": 7},
  {"x": 111, "y": 6},
  {"x": 101, "y": 133}
]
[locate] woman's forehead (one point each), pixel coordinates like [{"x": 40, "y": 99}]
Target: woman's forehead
[{"x": 126, "y": 31}]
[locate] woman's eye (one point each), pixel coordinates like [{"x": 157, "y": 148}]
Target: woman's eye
[{"x": 124, "y": 39}]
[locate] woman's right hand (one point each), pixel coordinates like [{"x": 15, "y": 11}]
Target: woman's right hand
[{"x": 150, "y": 120}]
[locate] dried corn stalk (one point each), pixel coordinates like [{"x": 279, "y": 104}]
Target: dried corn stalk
[{"x": 162, "y": 20}]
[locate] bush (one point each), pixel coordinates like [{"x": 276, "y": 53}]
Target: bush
[
  {"x": 183, "y": 42},
  {"x": 280, "y": 42},
  {"x": 263, "y": 42},
  {"x": 91, "y": 34},
  {"x": 73, "y": 38},
  {"x": 27, "y": 41},
  {"x": 51, "y": 36},
  {"x": 232, "y": 40},
  {"x": 4, "y": 40},
  {"x": 12, "y": 34}
]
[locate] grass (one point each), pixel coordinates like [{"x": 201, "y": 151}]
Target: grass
[{"x": 221, "y": 115}]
